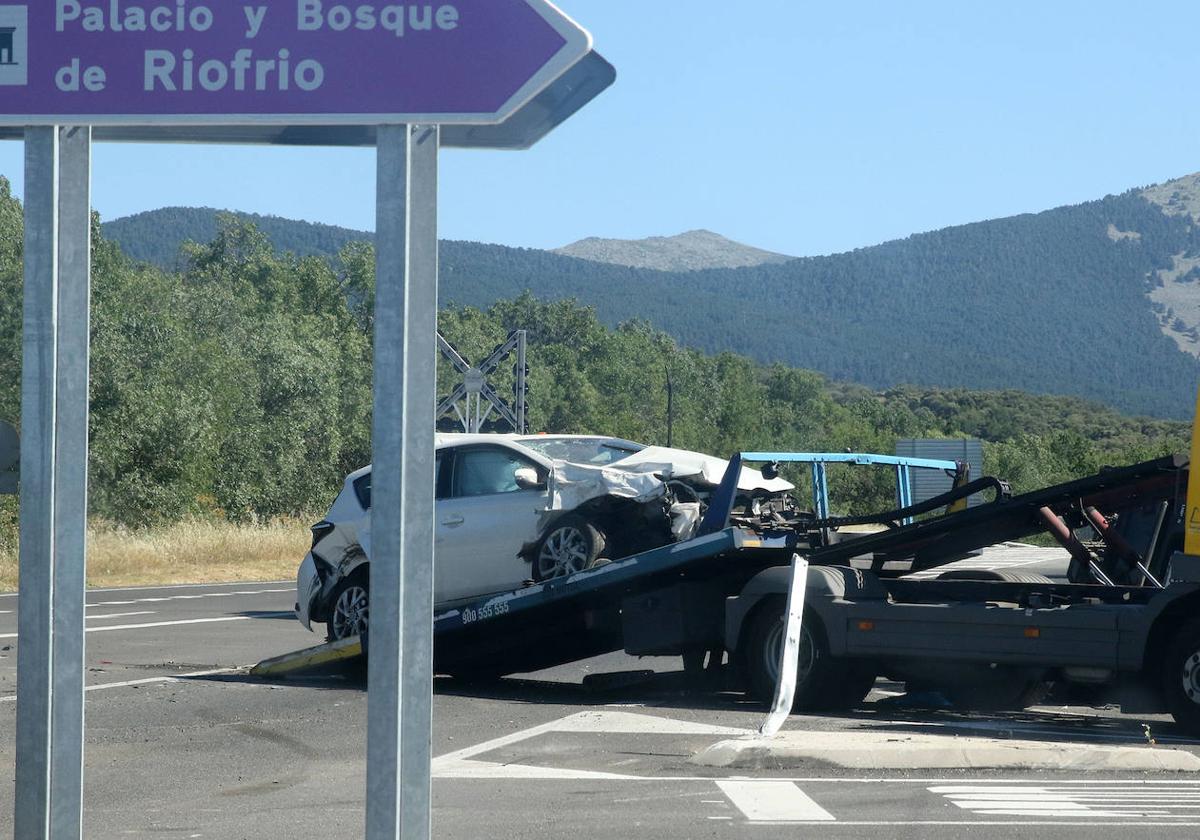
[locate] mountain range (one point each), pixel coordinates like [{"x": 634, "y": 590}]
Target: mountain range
[{"x": 1099, "y": 300}]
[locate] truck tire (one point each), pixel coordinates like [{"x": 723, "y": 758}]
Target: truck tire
[
  {"x": 823, "y": 682},
  {"x": 1181, "y": 677}
]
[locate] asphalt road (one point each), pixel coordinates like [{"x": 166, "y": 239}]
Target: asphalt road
[{"x": 181, "y": 743}]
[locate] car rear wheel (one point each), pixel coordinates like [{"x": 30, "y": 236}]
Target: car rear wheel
[
  {"x": 571, "y": 545},
  {"x": 350, "y": 607}
]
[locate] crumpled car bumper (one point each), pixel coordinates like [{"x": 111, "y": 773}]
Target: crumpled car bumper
[{"x": 308, "y": 587}]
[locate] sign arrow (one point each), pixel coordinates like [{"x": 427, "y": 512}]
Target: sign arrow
[{"x": 279, "y": 62}]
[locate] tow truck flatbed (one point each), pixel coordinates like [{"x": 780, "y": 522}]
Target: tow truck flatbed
[{"x": 571, "y": 618}]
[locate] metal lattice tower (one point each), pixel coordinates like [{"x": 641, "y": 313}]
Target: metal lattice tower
[{"x": 474, "y": 398}]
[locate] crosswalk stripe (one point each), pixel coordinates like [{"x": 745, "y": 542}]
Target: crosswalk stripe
[
  {"x": 774, "y": 801},
  {"x": 1072, "y": 801}
]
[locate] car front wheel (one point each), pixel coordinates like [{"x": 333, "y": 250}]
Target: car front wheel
[
  {"x": 571, "y": 545},
  {"x": 350, "y": 607}
]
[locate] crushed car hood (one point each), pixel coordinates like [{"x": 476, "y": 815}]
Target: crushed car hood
[{"x": 640, "y": 477}]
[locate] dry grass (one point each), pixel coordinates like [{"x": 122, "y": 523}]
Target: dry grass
[{"x": 194, "y": 551}]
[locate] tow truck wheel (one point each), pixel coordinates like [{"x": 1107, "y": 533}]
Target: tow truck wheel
[
  {"x": 1181, "y": 677},
  {"x": 350, "y": 608},
  {"x": 822, "y": 681},
  {"x": 571, "y": 545}
]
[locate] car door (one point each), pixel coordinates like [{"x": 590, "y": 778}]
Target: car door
[{"x": 483, "y": 521}]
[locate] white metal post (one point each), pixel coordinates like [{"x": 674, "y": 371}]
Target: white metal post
[
  {"x": 400, "y": 667},
  {"x": 31, "y": 818},
  {"x": 789, "y": 649},
  {"x": 70, "y": 481}
]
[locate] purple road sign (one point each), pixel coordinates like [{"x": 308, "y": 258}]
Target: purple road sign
[{"x": 293, "y": 62}]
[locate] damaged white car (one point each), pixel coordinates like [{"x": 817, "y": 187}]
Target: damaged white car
[{"x": 514, "y": 508}]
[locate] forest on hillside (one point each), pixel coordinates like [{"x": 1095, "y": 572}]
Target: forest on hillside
[
  {"x": 1047, "y": 303},
  {"x": 239, "y": 387}
]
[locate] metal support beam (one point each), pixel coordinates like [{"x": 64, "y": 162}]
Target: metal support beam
[
  {"x": 400, "y": 667},
  {"x": 31, "y": 818},
  {"x": 70, "y": 481},
  {"x": 54, "y": 421}
]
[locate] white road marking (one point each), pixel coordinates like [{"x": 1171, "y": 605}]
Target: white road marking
[
  {"x": 161, "y": 599},
  {"x": 166, "y": 623},
  {"x": 174, "y": 586},
  {"x": 120, "y": 615},
  {"x": 9, "y": 698},
  {"x": 461, "y": 764},
  {"x": 1073, "y": 801},
  {"x": 774, "y": 801}
]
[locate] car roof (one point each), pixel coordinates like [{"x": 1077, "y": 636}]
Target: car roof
[{"x": 444, "y": 439}]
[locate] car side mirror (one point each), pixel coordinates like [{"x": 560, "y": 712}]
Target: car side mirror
[{"x": 527, "y": 478}]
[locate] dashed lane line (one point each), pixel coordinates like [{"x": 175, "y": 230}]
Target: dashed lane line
[
  {"x": 151, "y": 624},
  {"x": 177, "y": 586},
  {"x": 166, "y": 598}
]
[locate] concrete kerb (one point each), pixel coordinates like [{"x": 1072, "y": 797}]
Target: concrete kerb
[{"x": 897, "y": 751}]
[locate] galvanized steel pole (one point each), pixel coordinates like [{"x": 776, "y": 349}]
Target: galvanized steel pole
[
  {"x": 70, "y": 481},
  {"x": 31, "y": 817},
  {"x": 400, "y": 667}
]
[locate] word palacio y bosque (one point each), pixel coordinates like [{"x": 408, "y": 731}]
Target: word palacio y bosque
[{"x": 245, "y": 68}]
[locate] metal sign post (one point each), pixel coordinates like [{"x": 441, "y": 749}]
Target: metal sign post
[
  {"x": 70, "y": 478},
  {"x": 39, "y": 376},
  {"x": 54, "y": 417},
  {"x": 400, "y": 667},
  {"x": 468, "y": 74}
]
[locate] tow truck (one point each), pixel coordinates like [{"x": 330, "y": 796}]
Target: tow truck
[{"x": 1124, "y": 619}]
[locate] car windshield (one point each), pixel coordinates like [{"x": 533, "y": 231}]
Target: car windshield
[{"x": 596, "y": 451}]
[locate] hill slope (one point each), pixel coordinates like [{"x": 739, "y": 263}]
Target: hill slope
[
  {"x": 155, "y": 236},
  {"x": 691, "y": 251},
  {"x": 1054, "y": 302}
]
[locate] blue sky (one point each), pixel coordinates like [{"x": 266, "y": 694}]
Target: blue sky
[{"x": 802, "y": 127}]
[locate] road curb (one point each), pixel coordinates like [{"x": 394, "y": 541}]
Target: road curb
[{"x": 901, "y": 751}]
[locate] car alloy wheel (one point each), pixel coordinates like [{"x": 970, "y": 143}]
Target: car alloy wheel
[
  {"x": 351, "y": 611},
  {"x": 564, "y": 552},
  {"x": 573, "y": 544}
]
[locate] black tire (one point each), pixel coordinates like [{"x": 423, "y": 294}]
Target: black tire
[
  {"x": 1181, "y": 677},
  {"x": 572, "y": 544},
  {"x": 823, "y": 682},
  {"x": 350, "y": 607}
]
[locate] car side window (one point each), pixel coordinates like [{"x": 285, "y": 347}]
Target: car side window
[
  {"x": 485, "y": 471},
  {"x": 362, "y": 485},
  {"x": 439, "y": 479}
]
